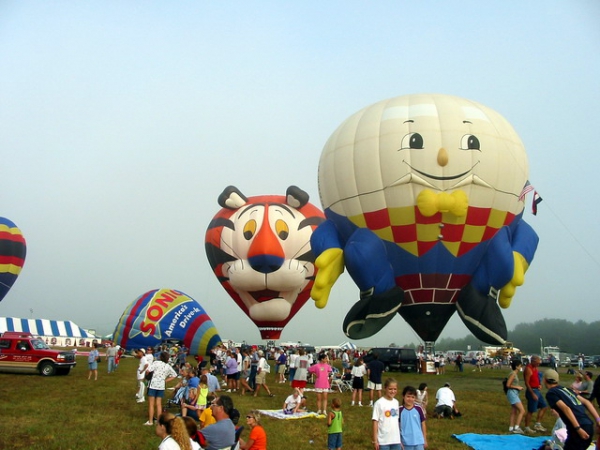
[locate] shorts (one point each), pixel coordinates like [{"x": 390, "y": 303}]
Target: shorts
[
  {"x": 157, "y": 393},
  {"x": 390, "y": 447},
  {"x": 534, "y": 405},
  {"x": 373, "y": 386},
  {"x": 233, "y": 376},
  {"x": 321, "y": 390},
  {"x": 334, "y": 440},
  {"x": 358, "y": 383},
  {"x": 414, "y": 447},
  {"x": 93, "y": 365},
  {"x": 301, "y": 384},
  {"x": 513, "y": 396},
  {"x": 261, "y": 377},
  {"x": 281, "y": 369}
]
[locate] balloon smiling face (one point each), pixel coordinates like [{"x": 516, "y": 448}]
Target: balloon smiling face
[
  {"x": 398, "y": 148},
  {"x": 259, "y": 248},
  {"x": 423, "y": 196}
]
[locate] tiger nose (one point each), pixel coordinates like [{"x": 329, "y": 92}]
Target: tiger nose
[
  {"x": 266, "y": 263},
  {"x": 442, "y": 157}
]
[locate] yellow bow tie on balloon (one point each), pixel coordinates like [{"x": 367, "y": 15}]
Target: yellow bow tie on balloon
[{"x": 430, "y": 203}]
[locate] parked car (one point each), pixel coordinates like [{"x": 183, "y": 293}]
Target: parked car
[
  {"x": 21, "y": 352},
  {"x": 394, "y": 358}
]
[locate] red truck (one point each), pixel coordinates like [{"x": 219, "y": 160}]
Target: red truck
[{"x": 21, "y": 352}]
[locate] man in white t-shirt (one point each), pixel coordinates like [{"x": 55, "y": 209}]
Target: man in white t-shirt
[{"x": 445, "y": 402}]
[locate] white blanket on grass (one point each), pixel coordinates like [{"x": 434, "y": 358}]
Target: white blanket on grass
[{"x": 279, "y": 414}]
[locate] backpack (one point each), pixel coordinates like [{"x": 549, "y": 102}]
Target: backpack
[{"x": 504, "y": 385}]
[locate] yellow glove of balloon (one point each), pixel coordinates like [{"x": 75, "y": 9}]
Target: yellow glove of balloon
[
  {"x": 331, "y": 265},
  {"x": 508, "y": 291}
]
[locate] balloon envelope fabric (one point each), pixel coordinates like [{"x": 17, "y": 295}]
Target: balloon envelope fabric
[
  {"x": 12, "y": 254},
  {"x": 163, "y": 314}
]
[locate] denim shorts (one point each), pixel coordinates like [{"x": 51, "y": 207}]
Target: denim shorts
[
  {"x": 513, "y": 396},
  {"x": 334, "y": 440},
  {"x": 390, "y": 447},
  {"x": 534, "y": 405},
  {"x": 158, "y": 393}
]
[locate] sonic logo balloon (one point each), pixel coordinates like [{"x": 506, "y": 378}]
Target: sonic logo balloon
[
  {"x": 259, "y": 249},
  {"x": 166, "y": 314},
  {"x": 12, "y": 254},
  {"x": 423, "y": 196}
]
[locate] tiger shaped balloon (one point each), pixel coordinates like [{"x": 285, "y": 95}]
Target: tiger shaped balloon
[{"x": 259, "y": 249}]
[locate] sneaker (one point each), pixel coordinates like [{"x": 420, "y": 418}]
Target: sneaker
[
  {"x": 352, "y": 404},
  {"x": 528, "y": 430},
  {"x": 517, "y": 430},
  {"x": 140, "y": 400},
  {"x": 371, "y": 404},
  {"x": 148, "y": 424},
  {"x": 359, "y": 404},
  {"x": 538, "y": 426}
]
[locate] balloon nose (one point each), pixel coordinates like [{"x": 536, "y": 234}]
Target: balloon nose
[
  {"x": 442, "y": 157},
  {"x": 266, "y": 263}
]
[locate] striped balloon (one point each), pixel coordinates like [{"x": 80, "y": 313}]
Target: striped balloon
[
  {"x": 164, "y": 314},
  {"x": 12, "y": 254}
]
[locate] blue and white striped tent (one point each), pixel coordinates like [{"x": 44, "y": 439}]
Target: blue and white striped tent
[{"x": 56, "y": 332}]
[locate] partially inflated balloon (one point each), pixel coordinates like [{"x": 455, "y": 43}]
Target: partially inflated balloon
[
  {"x": 259, "y": 249},
  {"x": 12, "y": 254},
  {"x": 166, "y": 314},
  {"x": 424, "y": 196}
]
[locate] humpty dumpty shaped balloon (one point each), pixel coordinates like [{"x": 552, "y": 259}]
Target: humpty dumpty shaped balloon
[{"x": 424, "y": 196}]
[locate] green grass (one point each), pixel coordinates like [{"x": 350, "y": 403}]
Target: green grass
[{"x": 70, "y": 412}]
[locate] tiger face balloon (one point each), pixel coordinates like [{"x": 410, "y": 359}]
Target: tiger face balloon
[{"x": 259, "y": 249}]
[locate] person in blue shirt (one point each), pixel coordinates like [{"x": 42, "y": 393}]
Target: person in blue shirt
[
  {"x": 572, "y": 409},
  {"x": 413, "y": 431}
]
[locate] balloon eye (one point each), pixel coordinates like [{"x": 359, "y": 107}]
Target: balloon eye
[
  {"x": 412, "y": 140},
  {"x": 249, "y": 229},
  {"x": 282, "y": 229},
  {"x": 469, "y": 142}
]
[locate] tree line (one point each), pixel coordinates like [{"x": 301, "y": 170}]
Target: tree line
[{"x": 578, "y": 337}]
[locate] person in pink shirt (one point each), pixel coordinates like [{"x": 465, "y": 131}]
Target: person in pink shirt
[{"x": 322, "y": 371}]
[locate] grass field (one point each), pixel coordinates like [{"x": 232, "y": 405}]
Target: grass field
[{"x": 70, "y": 412}]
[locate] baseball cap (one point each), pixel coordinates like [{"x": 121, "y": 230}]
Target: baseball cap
[{"x": 551, "y": 375}]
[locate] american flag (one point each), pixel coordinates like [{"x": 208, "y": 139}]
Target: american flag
[{"x": 526, "y": 190}]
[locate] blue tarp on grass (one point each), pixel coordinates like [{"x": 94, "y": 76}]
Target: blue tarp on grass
[{"x": 501, "y": 441}]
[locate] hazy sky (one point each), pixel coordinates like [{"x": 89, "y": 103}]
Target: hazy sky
[{"x": 121, "y": 123}]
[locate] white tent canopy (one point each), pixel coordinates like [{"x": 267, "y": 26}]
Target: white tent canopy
[
  {"x": 55, "y": 332},
  {"x": 347, "y": 346}
]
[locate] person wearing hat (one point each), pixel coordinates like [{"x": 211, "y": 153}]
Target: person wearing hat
[
  {"x": 571, "y": 408},
  {"x": 140, "y": 353},
  {"x": 445, "y": 402}
]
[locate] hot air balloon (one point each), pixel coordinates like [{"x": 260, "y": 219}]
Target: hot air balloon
[
  {"x": 424, "y": 196},
  {"x": 164, "y": 314},
  {"x": 12, "y": 254},
  {"x": 259, "y": 249}
]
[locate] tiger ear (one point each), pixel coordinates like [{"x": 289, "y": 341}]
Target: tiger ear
[
  {"x": 232, "y": 198},
  {"x": 296, "y": 197}
]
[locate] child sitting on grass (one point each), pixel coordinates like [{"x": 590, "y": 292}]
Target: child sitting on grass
[{"x": 294, "y": 402}]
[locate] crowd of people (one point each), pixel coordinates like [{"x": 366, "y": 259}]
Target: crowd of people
[{"x": 206, "y": 412}]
